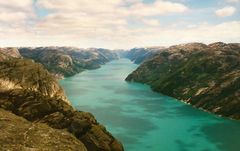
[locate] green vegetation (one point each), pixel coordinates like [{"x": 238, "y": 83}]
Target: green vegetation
[
  {"x": 30, "y": 91},
  {"x": 207, "y": 77}
]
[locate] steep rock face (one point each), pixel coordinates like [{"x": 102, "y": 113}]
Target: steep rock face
[
  {"x": 25, "y": 75},
  {"x": 138, "y": 55},
  {"x": 31, "y": 92},
  {"x": 206, "y": 76},
  {"x": 6, "y": 53},
  {"x": 19, "y": 134},
  {"x": 67, "y": 61}
]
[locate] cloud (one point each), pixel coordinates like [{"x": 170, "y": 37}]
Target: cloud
[
  {"x": 151, "y": 22},
  {"x": 93, "y": 18},
  {"x": 226, "y": 11},
  {"x": 157, "y": 8},
  {"x": 12, "y": 17},
  {"x": 23, "y": 4},
  {"x": 207, "y": 33},
  {"x": 124, "y": 7},
  {"x": 232, "y": 1},
  {"x": 15, "y": 12},
  {"x": 105, "y": 23},
  {"x": 124, "y": 37}
]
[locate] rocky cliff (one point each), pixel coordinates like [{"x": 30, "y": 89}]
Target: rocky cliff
[
  {"x": 6, "y": 53},
  {"x": 42, "y": 116},
  {"x": 206, "y": 76},
  {"x": 67, "y": 61}
]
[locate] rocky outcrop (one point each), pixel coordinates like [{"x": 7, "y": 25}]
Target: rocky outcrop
[
  {"x": 23, "y": 74},
  {"x": 29, "y": 91},
  {"x": 206, "y": 76},
  {"x": 67, "y": 61},
  {"x": 18, "y": 134},
  {"x": 6, "y": 53}
]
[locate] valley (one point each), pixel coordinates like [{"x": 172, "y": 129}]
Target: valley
[
  {"x": 145, "y": 120},
  {"x": 185, "y": 78}
]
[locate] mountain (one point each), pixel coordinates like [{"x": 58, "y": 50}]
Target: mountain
[
  {"x": 67, "y": 61},
  {"x": 42, "y": 113},
  {"x": 138, "y": 55},
  {"x": 205, "y": 76}
]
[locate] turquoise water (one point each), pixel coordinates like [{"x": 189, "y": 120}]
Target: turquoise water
[{"x": 144, "y": 120}]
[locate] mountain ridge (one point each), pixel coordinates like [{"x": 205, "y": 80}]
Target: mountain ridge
[
  {"x": 68, "y": 61},
  {"x": 205, "y": 76}
]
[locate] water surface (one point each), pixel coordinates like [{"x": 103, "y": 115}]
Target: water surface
[{"x": 144, "y": 120}]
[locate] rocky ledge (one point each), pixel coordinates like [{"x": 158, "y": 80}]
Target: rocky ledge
[
  {"x": 18, "y": 134},
  {"x": 42, "y": 117},
  {"x": 206, "y": 76}
]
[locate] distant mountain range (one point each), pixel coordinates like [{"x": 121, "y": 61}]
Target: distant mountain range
[{"x": 138, "y": 55}]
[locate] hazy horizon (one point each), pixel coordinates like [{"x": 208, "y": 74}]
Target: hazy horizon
[{"x": 124, "y": 49}]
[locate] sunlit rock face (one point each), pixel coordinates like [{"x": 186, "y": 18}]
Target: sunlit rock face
[
  {"x": 6, "y": 53},
  {"x": 68, "y": 61},
  {"x": 206, "y": 76},
  {"x": 26, "y": 75}
]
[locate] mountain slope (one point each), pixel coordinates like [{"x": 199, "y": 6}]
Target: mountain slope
[
  {"x": 19, "y": 134},
  {"x": 67, "y": 61},
  {"x": 206, "y": 76},
  {"x": 29, "y": 91}
]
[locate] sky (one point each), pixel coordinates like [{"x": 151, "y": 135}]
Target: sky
[{"x": 117, "y": 24}]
